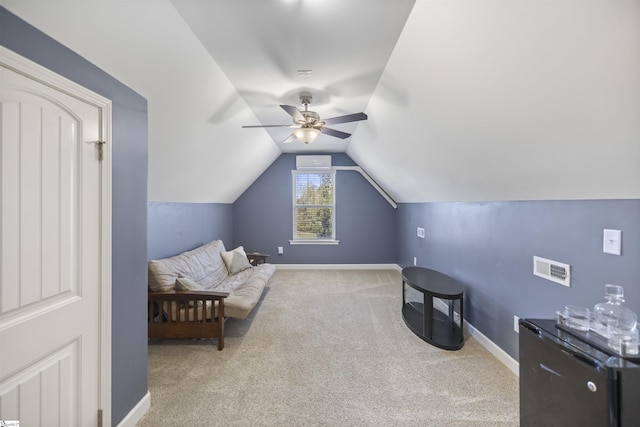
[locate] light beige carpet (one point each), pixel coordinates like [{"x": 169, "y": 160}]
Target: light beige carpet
[{"x": 327, "y": 348}]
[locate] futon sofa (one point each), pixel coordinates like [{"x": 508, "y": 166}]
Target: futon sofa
[{"x": 192, "y": 293}]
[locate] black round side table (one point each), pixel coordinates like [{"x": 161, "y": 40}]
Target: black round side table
[{"x": 432, "y": 307}]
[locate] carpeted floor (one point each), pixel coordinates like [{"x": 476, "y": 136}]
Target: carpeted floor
[{"x": 327, "y": 348}]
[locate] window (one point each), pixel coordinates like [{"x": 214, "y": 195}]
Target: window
[{"x": 314, "y": 207}]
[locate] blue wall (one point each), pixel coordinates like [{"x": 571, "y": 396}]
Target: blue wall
[
  {"x": 179, "y": 227},
  {"x": 489, "y": 248},
  {"x": 129, "y": 271},
  {"x": 365, "y": 221}
]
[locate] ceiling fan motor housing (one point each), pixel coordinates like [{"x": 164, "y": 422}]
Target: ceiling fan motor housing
[{"x": 311, "y": 116}]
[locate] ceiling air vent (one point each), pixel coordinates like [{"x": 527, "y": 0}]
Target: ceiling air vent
[{"x": 552, "y": 270}]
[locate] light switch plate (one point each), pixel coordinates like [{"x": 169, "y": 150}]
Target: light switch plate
[{"x": 612, "y": 242}]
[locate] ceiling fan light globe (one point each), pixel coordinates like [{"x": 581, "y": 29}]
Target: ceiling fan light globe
[{"x": 306, "y": 135}]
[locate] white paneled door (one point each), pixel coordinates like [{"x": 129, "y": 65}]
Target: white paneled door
[{"x": 55, "y": 248}]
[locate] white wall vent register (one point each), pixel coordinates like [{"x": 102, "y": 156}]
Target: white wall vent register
[
  {"x": 552, "y": 270},
  {"x": 313, "y": 162}
]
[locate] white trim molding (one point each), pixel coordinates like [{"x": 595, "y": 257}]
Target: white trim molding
[
  {"x": 314, "y": 242},
  {"x": 492, "y": 348},
  {"x": 137, "y": 412},
  {"x": 374, "y": 184}
]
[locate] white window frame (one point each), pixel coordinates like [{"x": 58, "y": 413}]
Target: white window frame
[{"x": 316, "y": 240}]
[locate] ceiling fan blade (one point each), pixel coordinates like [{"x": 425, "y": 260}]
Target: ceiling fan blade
[
  {"x": 291, "y": 138},
  {"x": 294, "y": 112},
  {"x": 345, "y": 119},
  {"x": 269, "y": 126},
  {"x": 336, "y": 133}
]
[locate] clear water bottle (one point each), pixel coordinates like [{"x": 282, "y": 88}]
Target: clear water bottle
[{"x": 612, "y": 318}]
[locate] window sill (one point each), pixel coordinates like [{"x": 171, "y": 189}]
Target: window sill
[{"x": 314, "y": 242}]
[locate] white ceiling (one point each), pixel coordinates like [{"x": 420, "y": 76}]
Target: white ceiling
[
  {"x": 260, "y": 46},
  {"x": 468, "y": 100}
]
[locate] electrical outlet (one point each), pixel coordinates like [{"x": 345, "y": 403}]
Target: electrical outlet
[
  {"x": 280, "y": 250},
  {"x": 421, "y": 232},
  {"x": 415, "y": 261},
  {"x": 516, "y": 326}
]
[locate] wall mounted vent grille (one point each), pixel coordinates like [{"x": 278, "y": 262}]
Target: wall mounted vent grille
[
  {"x": 313, "y": 162},
  {"x": 552, "y": 270}
]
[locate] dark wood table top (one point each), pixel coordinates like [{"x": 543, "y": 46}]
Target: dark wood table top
[{"x": 433, "y": 282}]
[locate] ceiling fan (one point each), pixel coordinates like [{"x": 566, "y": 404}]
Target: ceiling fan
[{"x": 308, "y": 125}]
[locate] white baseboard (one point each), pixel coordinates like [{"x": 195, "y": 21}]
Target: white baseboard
[
  {"x": 490, "y": 346},
  {"x": 493, "y": 348},
  {"x": 137, "y": 412},
  {"x": 337, "y": 267}
]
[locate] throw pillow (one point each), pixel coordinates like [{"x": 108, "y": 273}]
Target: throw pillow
[
  {"x": 186, "y": 284},
  {"x": 235, "y": 260}
]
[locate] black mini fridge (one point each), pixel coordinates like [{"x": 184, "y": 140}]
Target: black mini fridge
[{"x": 571, "y": 378}]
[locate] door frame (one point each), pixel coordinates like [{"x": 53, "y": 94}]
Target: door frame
[{"x": 34, "y": 71}]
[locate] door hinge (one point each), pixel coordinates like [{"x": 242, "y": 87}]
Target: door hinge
[
  {"x": 99, "y": 417},
  {"x": 100, "y": 145}
]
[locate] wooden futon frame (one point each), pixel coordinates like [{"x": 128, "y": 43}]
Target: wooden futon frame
[{"x": 163, "y": 323}]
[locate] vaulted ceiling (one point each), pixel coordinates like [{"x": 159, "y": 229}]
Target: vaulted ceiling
[
  {"x": 272, "y": 51},
  {"x": 467, "y": 100}
]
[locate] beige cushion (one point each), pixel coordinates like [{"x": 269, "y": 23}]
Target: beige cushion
[
  {"x": 202, "y": 264},
  {"x": 236, "y": 260},
  {"x": 247, "y": 293},
  {"x": 186, "y": 284}
]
